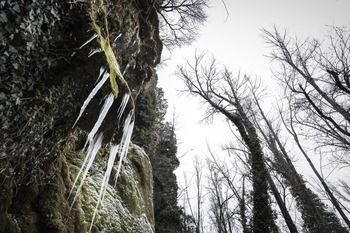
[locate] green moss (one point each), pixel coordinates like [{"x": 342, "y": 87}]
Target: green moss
[
  {"x": 114, "y": 73},
  {"x": 128, "y": 206},
  {"x": 7, "y": 223},
  {"x": 43, "y": 95},
  {"x": 52, "y": 197}
]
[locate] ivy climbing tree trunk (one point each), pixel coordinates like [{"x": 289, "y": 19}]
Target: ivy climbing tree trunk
[
  {"x": 281, "y": 204},
  {"x": 314, "y": 213},
  {"x": 225, "y": 94}
]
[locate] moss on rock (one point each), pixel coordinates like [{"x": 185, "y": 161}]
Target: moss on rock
[
  {"x": 45, "y": 80},
  {"x": 127, "y": 207}
]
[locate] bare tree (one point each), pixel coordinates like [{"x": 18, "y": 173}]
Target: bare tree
[
  {"x": 225, "y": 94},
  {"x": 314, "y": 213},
  {"x": 332, "y": 198},
  {"x": 180, "y": 20},
  {"x": 254, "y": 110},
  {"x": 219, "y": 197},
  {"x": 199, "y": 188},
  {"x": 317, "y": 74},
  {"x": 196, "y": 211},
  {"x": 281, "y": 203},
  {"x": 227, "y": 193}
]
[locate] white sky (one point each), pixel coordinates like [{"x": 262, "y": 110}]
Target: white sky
[{"x": 236, "y": 43}]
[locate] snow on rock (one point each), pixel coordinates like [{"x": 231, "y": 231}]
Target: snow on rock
[{"x": 128, "y": 206}]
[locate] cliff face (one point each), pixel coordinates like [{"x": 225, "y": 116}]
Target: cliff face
[
  {"x": 45, "y": 79},
  {"x": 128, "y": 206}
]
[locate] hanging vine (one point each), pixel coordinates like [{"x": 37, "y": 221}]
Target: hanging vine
[{"x": 98, "y": 10}]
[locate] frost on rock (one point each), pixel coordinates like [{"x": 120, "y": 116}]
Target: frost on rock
[
  {"x": 91, "y": 154},
  {"x": 125, "y": 207}
]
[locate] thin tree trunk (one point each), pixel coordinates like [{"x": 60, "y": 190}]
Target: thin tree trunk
[
  {"x": 242, "y": 210},
  {"x": 332, "y": 198},
  {"x": 203, "y": 82},
  {"x": 290, "y": 165},
  {"x": 262, "y": 213},
  {"x": 282, "y": 206}
]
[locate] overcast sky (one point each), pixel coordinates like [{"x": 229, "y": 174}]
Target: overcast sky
[{"x": 237, "y": 43}]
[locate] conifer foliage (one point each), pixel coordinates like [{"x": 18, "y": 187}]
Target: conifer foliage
[{"x": 158, "y": 139}]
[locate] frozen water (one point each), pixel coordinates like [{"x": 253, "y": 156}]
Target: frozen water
[
  {"x": 102, "y": 70},
  {"x": 89, "y": 40},
  {"x": 93, "y": 51},
  {"x": 126, "y": 68},
  {"x": 94, "y": 139},
  {"x": 94, "y": 146},
  {"x": 123, "y": 105},
  {"x": 105, "y": 180},
  {"x": 91, "y": 95},
  {"x": 125, "y": 141},
  {"x": 120, "y": 34},
  {"x": 105, "y": 108}
]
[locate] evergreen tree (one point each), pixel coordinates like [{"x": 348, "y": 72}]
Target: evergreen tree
[{"x": 158, "y": 139}]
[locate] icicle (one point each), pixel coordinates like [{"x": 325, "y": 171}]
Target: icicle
[
  {"x": 126, "y": 68},
  {"x": 93, "y": 51},
  {"x": 87, "y": 157},
  {"x": 125, "y": 141},
  {"x": 102, "y": 70},
  {"x": 89, "y": 40},
  {"x": 91, "y": 137},
  {"x": 123, "y": 105},
  {"x": 123, "y": 152},
  {"x": 91, "y": 95},
  {"x": 128, "y": 128},
  {"x": 105, "y": 180},
  {"x": 128, "y": 139},
  {"x": 105, "y": 108},
  {"x": 118, "y": 36},
  {"x": 111, "y": 159},
  {"x": 93, "y": 149}
]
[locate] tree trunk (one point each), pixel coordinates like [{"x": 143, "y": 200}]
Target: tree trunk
[
  {"x": 314, "y": 212},
  {"x": 291, "y": 226}
]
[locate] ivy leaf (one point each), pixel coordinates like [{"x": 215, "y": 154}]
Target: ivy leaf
[
  {"x": 15, "y": 65},
  {"x": 3, "y": 18},
  {"x": 2, "y": 96},
  {"x": 12, "y": 49},
  {"x": 31, "y": 15},
  {"x": 16, "y": 8},
  {"x": 18, "y": 101}
]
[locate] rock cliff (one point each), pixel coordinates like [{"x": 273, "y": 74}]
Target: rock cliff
[{"x": 45, "y": 78}]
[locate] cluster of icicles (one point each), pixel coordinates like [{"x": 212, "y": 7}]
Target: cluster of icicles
[{"x": 94, "y": 139}]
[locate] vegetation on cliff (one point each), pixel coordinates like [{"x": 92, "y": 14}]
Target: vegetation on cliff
[
  {"x": 45, "y": 78},
  {"x": 47, "y": 71}
]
